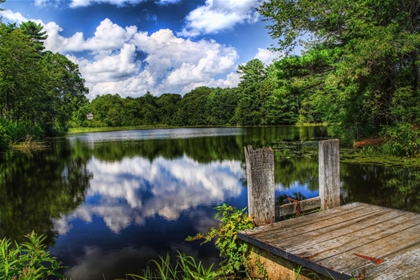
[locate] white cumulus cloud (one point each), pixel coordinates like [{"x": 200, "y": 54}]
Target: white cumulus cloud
[
  {"x": 170, "y": 64},
  {"x": 12, "y": 16},
  {"x": 218, "y": 15},
  {"x": 267, "y": 56},
  {"x": 130, "y": 62}
]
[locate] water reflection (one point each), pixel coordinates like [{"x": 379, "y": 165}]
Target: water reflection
[
  {"x": 129, "y": 191},
  {"x": 36, "y": 188},
  {"x": 110, "y": 202},
  {"x": 395, "y": 187}
]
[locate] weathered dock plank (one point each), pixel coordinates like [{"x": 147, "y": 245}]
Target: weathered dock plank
[
  {"x": 327, "y": 242},
  {"x": 404, "y": 264},
  {"x": 305, "y": 205}
]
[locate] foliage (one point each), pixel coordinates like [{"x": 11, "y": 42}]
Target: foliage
[
  {"x": 248, "y": 111},
  {"x": 38, "y": 90},
  {"x": 35, "y": 33},
  {"x": 40, "y": 186},
  {"x": 186, "y": 268},
  {"x": 192, "y": 110},
  {"x": 28, "y": 260},
  {"x": 13, "y": 132},
  {"x": 221, "y": 105},
  {"x": 402, "y": 140},
  {"x": 232, "y": 250},
  {"x": 366, "y": 73}
]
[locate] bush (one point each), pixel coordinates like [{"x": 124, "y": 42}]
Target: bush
[
  {"x": 231, "y": 249},
  {"x": 13, "y": 132},
  {"x": 27, "y": 261},
  {"x": 402, "y": 140}
]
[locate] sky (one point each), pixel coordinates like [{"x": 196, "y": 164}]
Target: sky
[{"x": 132, "y": 47}]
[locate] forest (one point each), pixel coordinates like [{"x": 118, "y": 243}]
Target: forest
[
  {"x": 358, "y": 72},
  {"x": 39, "y": 90}
]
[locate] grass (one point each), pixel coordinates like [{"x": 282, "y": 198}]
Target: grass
[
  {"x": 186, "y": 268},
  {"x": 27, "y": 261},
  {"x": 355, "y": 156},
  {"x": 107, "y": 128},
  {"x": 102, "y": 129},
  {"x": 29, "y": 144}
]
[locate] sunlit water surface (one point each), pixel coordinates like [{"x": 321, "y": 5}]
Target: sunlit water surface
[{"x": 109, "y": 202}]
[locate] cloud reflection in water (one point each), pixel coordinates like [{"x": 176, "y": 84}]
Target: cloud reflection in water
[{"x": 127, "y": 192}]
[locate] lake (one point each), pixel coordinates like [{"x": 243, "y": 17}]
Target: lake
[{"x": 109, "y": 202}]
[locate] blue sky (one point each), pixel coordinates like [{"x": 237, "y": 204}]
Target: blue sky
[{"x": 162, "y": 46}]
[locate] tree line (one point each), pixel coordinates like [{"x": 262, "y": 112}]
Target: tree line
[
  {"x": 39, "y": 90},
  {"x": 359, "y": 71},
  {"x": 259, "y": 99}
]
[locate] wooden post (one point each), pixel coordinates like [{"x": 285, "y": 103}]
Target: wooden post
[
  {"x": 329, "y": 173},
  {"x": 260, "y": 177}
]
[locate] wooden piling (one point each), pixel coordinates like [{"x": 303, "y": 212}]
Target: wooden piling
[
  {"x": 329, "y": 173},
  {"x": 260, "y": 177}
]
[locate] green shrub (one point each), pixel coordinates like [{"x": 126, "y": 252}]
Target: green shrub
[
  {"x": 402, "y": 140},
  {"x": 231, "y": 249},
  {"x": 6, "y": 129},
  {"x": 186, "y": 268},
  {"x": 27, "y": 261}
]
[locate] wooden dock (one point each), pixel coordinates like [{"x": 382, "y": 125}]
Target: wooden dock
[
  {"x": 340, "y": 242},
  {"x": 337, "y": 242}
]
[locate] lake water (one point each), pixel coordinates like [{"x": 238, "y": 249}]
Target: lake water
[{"x": 109, "y": 202}]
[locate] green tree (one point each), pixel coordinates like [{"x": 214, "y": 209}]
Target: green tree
[
  {"x": 38, "y": 91},
  {"x": 221, "y": 105},
  {"x": 22, "y": 77},
  {"x": 66, "y": 90},
  {"x": 192, "y": 110},
  {"x": 374, "y": 81},
  {"x": 130, "y": 112},
  {"x": 107, "y": 110},
  {"x": 148, "y": 109},
  {"x": 250, "y": 100},
  {"x": 167, "y": 106},
  {"x": 35, "y": 33}
]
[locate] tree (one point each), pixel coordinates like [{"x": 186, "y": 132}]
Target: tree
[
  {"x": 37, "y": 90},
  {"x": 107, "y": 110},
  {"x": 375, "y": 78},
  {"x": 66, "y": 91},
  {"x": 22, "y": 77},
  {"x": 221, "y": 105},
  {"x": 35, "y": 33},
  {"x": 192, "y": 110},
  {"x": 167, "y": 107},
  {"x": 250, "y": 101}
]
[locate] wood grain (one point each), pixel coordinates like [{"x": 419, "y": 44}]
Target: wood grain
[{"x": 327, "y": 241}]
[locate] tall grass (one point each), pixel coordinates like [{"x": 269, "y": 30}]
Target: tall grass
[
  {"x": 27, "y": 261},
  {"x": 186, "y": 268}
]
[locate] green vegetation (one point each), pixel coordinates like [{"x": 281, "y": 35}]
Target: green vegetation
[
  {"x": 359, "y": 71},
  {"x": 27, "y": 261},
  {"x": 34, "y": 190},
  {"x": 39, "y": 90},
  {"x": 186, "y": 268},
  {"x": 107, "y": 128},
  {"x": 231, "y": 249}
]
